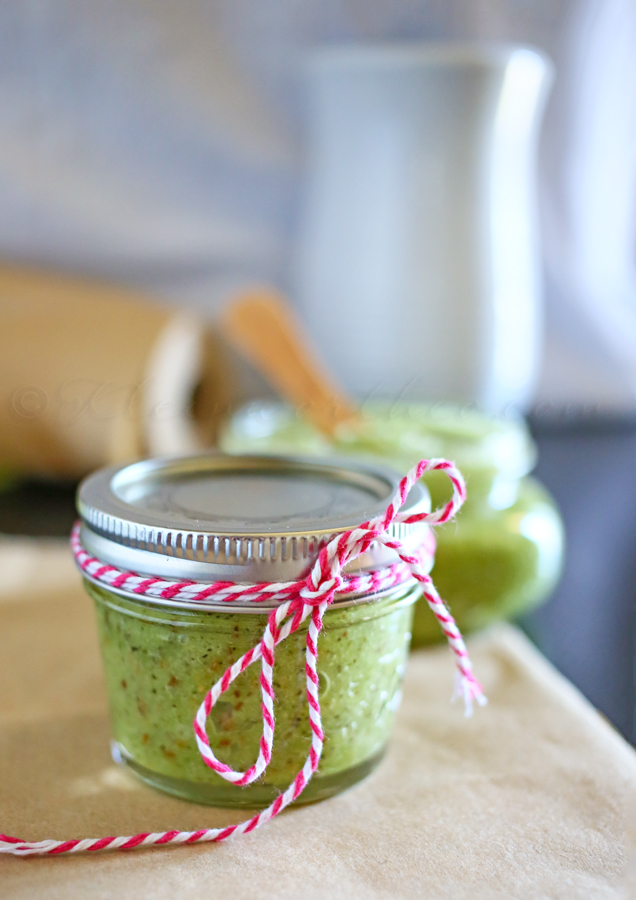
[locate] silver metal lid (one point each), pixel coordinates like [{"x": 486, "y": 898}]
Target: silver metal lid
[{"x": 237, "y": 518}]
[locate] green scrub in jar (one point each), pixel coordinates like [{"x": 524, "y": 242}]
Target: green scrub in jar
[
  {"x": 503, "y": 554},
  {"x": 248, "y": 520}
]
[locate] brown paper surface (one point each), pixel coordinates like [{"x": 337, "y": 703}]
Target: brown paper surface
[{"x": 525, "y": 800}]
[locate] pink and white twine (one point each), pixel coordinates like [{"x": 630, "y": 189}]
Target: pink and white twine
[{"x": 298, "y": 601}]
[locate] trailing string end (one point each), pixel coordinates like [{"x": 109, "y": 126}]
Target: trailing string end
[
  {"x": 469, "y": 690},
  {"x": 466, "y": 685}
]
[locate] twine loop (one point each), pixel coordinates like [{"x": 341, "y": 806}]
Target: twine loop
[{"x": 299, "y": 601}]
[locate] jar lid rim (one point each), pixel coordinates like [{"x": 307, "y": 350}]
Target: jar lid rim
[{"x": 243, "y": 518}]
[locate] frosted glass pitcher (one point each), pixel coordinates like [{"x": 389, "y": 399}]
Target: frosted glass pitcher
[{"x": 417, "y": 265}]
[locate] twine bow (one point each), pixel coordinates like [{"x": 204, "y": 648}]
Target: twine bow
[{"x": 300, "y": 600}]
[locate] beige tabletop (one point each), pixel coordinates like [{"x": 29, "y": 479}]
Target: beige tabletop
[{"x": 527, "y": 799}]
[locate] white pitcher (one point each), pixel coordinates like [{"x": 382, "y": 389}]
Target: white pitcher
[{"x": 417, "y": 266}]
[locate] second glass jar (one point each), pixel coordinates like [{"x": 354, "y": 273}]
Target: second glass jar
[{"x": 502, "y": 555}]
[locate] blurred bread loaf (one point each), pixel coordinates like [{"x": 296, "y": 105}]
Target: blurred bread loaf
[{"x": 92, "y": 374}]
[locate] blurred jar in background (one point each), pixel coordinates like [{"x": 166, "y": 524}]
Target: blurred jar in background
[
  {"x": 503, "y": 555},
  {"x": 419, "y": 226}
]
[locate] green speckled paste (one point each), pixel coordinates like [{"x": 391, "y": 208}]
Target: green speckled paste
[
  {"x": 503, "y": 553},
  {"x": 160, "y": 661}
]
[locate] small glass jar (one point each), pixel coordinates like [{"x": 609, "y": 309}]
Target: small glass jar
[
  {"x": 503, "y": 554},
  {"x": 244, "y": 519}
]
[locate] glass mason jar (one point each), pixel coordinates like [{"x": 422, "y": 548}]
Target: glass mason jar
[
  {"x": 243, "y": 519},
  {"x": 502, "y": 555}
]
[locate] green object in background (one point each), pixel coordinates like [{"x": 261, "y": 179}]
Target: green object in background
[{"x": 502, "y": 555}]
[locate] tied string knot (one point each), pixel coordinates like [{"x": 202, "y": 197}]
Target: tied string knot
[{"x": 299, "y": 601}]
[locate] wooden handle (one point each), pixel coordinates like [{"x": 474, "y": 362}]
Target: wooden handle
[{"x": 261, "y": 325}]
